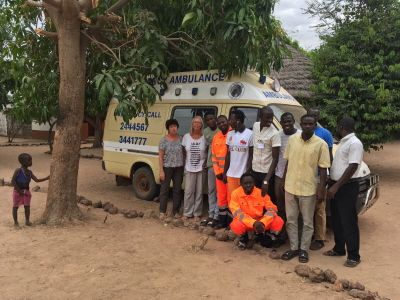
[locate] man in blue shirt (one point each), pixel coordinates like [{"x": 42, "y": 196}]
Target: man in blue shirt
[{"x": 320, "y": 209}]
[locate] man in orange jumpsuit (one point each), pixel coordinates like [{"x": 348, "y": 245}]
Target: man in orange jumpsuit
[
  {"x": 252, "y": 212},
  {"x": 218, "y": 151}
]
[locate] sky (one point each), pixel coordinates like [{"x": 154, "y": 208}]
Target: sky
[{"x": 296, "y": 23}]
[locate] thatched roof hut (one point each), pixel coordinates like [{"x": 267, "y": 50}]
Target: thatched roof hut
[{"x": 295, "y": 77}]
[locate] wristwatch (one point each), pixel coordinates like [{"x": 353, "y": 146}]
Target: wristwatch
[{"x": 265, "y": 182}]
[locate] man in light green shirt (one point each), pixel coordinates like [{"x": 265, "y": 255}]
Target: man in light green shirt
[{"x": 213, "y": 211}]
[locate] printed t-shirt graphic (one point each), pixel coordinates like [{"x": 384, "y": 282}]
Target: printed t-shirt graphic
[
  {"x": 239, "y": 144},
  {"x": 195, "y": 153}
]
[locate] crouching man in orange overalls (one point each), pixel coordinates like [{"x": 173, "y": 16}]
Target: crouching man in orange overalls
[{"x": 252, "y": 212}]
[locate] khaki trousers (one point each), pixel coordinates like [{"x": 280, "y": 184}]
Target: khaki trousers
[
  {"x": 320, "y": 220},
  {"x": 294, "y": 205}
]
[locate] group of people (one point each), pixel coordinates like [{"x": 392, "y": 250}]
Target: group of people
[{"x": 273, "y": 183}]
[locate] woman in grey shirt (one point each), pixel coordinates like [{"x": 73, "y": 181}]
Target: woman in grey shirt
[{"x": 170, "y": 159}]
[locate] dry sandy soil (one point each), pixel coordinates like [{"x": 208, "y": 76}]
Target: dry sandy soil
[{"x": 141, "y": 259}]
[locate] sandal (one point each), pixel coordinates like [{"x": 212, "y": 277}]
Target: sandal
[
  {"x": 204, "y": 223},
  {"x": 317, "y": 245},
  {"x": 351, "y": 263},
  {"x": 241, "y": 246},
  {"x": 288, "y": 255},
  {"x": 303, "y": 257},
  {"x": 332, "y": 253}
]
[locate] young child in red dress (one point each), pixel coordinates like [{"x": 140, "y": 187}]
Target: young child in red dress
[{"x": 21, "y": 194}]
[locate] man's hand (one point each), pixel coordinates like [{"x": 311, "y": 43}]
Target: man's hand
[
  {"x": 220, "y": 176},
  {"x": 224, "y": 179},
  {"x": 162, "y": 175},
  {"x": 264, "y": 189},
  {"x": 321, "y": 194},
  {"x": 331, "y": 192},
  {"x": 259, "y": 227},
  {"x": 21, "y": 192}
]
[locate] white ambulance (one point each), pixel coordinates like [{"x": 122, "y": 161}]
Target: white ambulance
[{"x": 131, "y": 150}]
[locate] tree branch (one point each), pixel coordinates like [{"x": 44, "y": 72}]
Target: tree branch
[
  {"x": 51, "y": 35},
  {"x": 117, "y": 6},
  {"x": 175, "y": 46},
  {"x": 32, "y": 3},
  {"x": 70, "y": 8},
  {"x": 110, "y": 17},
  {"x": 54, "y": 3},
  {"x": 86, "y": 4},
  {"x": 102, "y": 19},
  {"x": 169, "y": 40},
  {"x": 101, "y": 46}
]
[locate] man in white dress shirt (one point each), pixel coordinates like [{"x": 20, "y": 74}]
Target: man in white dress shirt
[{"x": 343, "y": 192}]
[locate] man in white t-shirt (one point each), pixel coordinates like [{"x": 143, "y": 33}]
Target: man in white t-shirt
[
  {"x": 287, "y": 123},
  {"x": 240, "y": 151},
  {"x": 266, "y": 152},
  {"x": 343, "y": 192}
]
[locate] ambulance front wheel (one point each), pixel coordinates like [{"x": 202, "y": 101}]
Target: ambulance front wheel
[{"x": 144, "y": 184}]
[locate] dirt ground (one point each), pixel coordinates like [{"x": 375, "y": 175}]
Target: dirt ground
[{"x": 143, "y": 259}]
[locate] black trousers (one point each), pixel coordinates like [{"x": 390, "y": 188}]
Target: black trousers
[
  {"x": 345, "y": 221},
  {"x": 176, "y": 175},
  {"x": 271, "y": 184}
]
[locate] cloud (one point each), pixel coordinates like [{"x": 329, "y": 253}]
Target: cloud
[{"x": 296, "y": 23}]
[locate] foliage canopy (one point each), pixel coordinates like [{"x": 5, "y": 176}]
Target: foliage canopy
[{"x": 358, "y": 72}]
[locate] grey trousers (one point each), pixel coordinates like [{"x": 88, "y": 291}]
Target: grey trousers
[
  {"x": 193, "y": 203},
  {"x": 306, "y": 205},
  {"x": 176, "y": 175},
  {"x": 213, "y": 210}
]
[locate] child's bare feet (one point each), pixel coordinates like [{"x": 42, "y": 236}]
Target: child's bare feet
[
  {"x": 185, "y": 218},
  {"x": 29, "y": 224},
  {"x": 177, "y": 216},
  {"x": 162, "y": 216},
  {"x": 16, "y": 226},
  {"x": 197, "y": 219}
]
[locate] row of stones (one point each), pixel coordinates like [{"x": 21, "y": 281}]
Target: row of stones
[
  {"x": 32, "y": 144},
  {"x": 354, "y": 289}
]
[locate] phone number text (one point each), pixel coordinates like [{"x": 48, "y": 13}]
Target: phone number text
[
  {"x": 134, "y": 126},
  {"x": 132, "y": 140}
]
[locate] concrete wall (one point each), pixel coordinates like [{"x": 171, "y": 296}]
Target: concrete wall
[{"x": 24, "y": 132}]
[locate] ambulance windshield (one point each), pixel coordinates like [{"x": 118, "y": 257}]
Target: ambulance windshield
[{"x": 296, "y": 111}]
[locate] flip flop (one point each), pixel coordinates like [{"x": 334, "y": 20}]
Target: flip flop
[
  {"x": 204, "y": 223},
  {"x": 332, "y": 253},
  {"x": 303, "y": 257},
  {"x": 351, "y": 263},
  {"x": 316, "y": 245},
  {"x": 288, "y": 255}
]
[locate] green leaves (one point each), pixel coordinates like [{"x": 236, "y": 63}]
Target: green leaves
[{"x": 357, "y": 68}]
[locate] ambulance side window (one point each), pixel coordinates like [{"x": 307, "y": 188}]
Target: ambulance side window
[
  {"x": 185, "y": 114},
  {"x": 251, "y": 115}
]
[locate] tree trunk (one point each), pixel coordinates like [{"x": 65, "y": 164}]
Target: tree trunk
[
  {"x": 61, "y": 207},
  {"x": 98, "y": 130},
  {"x": 49, "y": 135},
  {"x": 98, "y": 133}
]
